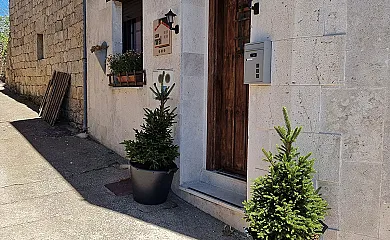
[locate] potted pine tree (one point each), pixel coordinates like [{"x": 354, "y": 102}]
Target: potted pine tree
[
  {"x": 152, "y": 154},
  {"x": 284, "y": 204}
]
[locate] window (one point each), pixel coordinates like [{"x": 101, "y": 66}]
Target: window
[
  {"x": 132, "y": 25},
  {"x": 40, "y": 54},
  {"x": 132, "y": 35},
  {"x": 132, "y": 40}
]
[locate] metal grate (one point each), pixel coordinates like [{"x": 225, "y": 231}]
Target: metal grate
[{"x": 121, "y": 188}]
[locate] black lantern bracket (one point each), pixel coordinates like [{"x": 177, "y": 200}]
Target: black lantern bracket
[
  {"x": 255, "y": 7},
  {"x": 170, "y": 19}
]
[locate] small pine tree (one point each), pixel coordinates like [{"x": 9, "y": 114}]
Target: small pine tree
[
  {"x": 153, "y": 146},
  {"x": 284, "y": 204}
]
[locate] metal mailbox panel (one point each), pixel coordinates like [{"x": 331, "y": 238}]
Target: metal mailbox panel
[
  {"x": 257, "y": 68},
  {"x": 254, "y": 66}
]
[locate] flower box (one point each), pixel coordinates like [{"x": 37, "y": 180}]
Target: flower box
[{"x": 136, "y": 79}]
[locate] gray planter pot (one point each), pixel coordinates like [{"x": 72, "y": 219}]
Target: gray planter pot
[{"x": 150, "y": 187}]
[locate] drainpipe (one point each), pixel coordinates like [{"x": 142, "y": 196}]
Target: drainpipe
[{"x": 85, "y": 92}]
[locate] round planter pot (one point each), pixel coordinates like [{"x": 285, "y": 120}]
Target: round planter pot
[{"x": 150, "y": 187}]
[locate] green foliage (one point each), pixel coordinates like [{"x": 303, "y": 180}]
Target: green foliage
[
  {"x": 284, "y": 204},
  {"x": 125, "y": 63},
  {"x": 4, "y": 35},
  {"x": 153, "y": 145}
]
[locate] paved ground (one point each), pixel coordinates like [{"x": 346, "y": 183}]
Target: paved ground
[{"x": 52, "y": 187}]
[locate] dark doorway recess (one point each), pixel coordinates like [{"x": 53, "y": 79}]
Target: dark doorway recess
[{"x": 229, "y": 30}]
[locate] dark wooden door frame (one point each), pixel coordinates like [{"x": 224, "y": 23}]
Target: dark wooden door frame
[{"x": 215, "y": 57}]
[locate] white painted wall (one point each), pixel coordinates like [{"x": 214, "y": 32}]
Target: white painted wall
[{"x": 114, "y": 112}]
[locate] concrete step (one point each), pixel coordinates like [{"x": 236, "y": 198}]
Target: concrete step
[{"x": 233, "y": 198}]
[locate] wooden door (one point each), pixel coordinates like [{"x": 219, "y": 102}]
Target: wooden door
[{"x": 227, "y": 95}]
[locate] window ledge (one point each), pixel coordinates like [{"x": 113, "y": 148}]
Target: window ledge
[
  {"x": 138, "y": 80},
  {"x": 125, "y": 86}
]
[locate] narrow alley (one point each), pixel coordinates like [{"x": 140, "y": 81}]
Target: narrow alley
[{"x": 52, "y": 186}]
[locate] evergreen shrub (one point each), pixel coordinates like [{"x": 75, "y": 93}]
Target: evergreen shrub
[
  {"x": 284, "y": 204},
  {"x": 153, "y": 146}
]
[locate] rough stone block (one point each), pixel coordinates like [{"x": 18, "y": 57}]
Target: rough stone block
[
  {"x": 62, "y": 67},
  {"x": 77, "y": 79},
  {"x": 307, "y": 143},
  {"x": 367, "y": 63},
  {"x": 48, "y": 70},
  {"x": 265, "y": 105},
  {"x": 78, "y": 13},
  {"x": 328, "y": 158},
  {"x": 281, "y": 62},
  {"x": 330, "y": 235},
  {"x": 78, "y": 66},
  {"x": 384, "y": 231},
  {"x": 74, "y": 104},
  {"x": 318, "y": 60},
  {"x": 80, "y": 93},
  {"x": 368, "y": 43},
  {"x": 330, "y": 192},
  {"x": 345, "y": 109},
  {"x": 58, "y": 25},
  {"x": 257, "y": 140},
  {"x": 309, "y": 18},
  {"x": 335, "y": 16},
  {"x": 352, "y": 236},
  {"x": 359, "y": 205},
  {"x": 378, "y": 13},
  {"x": 385, "y": 194},
  {"x": 304, "y": 108},
  {"x": 275, "y": 21}
]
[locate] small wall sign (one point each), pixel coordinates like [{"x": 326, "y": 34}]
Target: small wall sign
[{"x": 162, "y": 43}]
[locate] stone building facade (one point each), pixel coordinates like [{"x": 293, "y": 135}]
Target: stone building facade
[
  {"x": 330, "y": 68},
  {"x": 47, "y": 36}
]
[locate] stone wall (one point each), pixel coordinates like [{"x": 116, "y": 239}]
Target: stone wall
[
  {"x": 331, "y": 70},
  {"x": 61, "y": 23}
]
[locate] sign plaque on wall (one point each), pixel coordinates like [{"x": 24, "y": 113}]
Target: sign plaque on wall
[{"x": 162, "y": 43}]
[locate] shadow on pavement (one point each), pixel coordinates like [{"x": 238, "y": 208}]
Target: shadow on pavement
[
  {"x": 20, "y": 99},
  {"x": 88, "y": 166}
]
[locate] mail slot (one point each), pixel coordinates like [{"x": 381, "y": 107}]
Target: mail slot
[{"x": 257, "y": 68}]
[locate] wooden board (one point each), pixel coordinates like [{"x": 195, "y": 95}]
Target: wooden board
[{"x": 54, "y": 95}]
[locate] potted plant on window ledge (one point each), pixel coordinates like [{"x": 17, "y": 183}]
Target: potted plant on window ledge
[
  {"x": 126, "y": 67},
  {"x": 152, "y": 154}
]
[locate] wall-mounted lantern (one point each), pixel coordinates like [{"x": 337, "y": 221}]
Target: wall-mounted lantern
[{"x": 170, "y": 18}]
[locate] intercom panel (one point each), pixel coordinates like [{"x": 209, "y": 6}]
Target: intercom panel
[{"x": 257, "y": 68}]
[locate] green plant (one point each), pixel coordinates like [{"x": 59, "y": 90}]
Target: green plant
[
  {"x": 153, "y": 146},
  {"x": 284, "y": 204},
  {"x": 4, "y": 39},
  {"x": 4, "y": 35},
  {"x": 125, "y": 63}
]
